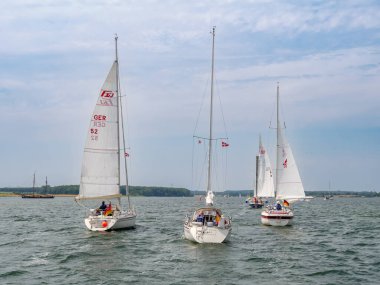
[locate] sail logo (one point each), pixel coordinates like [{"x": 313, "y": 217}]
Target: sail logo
[
  {"x": 285, "y": 164},
  {"x": 107, "y": 94}
]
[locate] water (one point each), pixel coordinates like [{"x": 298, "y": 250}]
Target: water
[{"x": 331, "y": 242}]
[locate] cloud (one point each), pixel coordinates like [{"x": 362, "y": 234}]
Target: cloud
[{"x": 57, "y": 53}]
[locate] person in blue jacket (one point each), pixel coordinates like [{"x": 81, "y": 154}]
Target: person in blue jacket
[
  {"x": 103, "y": 206},
  {"x": 278, "y": 206}
]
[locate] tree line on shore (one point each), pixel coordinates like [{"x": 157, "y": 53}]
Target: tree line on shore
[
  {"x": 154, "y": 191},
  {"x": 74, "y": 190}
]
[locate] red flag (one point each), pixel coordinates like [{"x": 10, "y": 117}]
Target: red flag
[
  {"x": 224, "y": 144},
  {"x": 126, "y": 154},
  {"x": 285, "y": 164}
]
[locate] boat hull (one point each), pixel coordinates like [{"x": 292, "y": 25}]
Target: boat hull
[
  {"x": 277, "y": 218},
  {"x": 37, "y": 196},
  {"x": 103, "y": 223},
  {"x": 206, "y": 234},
  {"x": 256, "y": 205}
]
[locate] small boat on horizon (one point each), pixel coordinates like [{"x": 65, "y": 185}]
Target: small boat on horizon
[
  {"x": 264, "y": 187},
  {"x": 35, "y": 195}
]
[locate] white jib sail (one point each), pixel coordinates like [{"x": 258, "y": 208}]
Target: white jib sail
[
  {"x": 265, "y": 184},
  {"x": 100, "y": 171},
  {"x": 289, "y": 184}
]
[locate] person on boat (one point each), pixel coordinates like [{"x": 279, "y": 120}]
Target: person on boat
[
  {"x": 200, "y": 217},
  {"x": 278, "y": 206},
  {"x": 103, "y": 206},
  {"x": 217, "y": 219}
]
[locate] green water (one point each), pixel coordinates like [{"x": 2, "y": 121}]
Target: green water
[{"x": 331, "y": 242}]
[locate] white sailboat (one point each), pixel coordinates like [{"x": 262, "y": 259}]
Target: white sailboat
[
  {"x": 100, "y": 177},
  {"x": 208, "y": 224},
  {"x": 289, "y": 187},
  {"x": 264, "y": 178}
]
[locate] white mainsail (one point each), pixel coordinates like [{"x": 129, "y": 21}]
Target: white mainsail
[
  {"x": 265, "y": 185},
  {"x": 100, "y": 177},
  {"x": 288, "y": 185}
]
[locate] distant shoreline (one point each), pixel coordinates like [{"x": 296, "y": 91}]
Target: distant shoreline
[
  {"x": 19, "y": 195},
  {"x": 155, "y": 191}
]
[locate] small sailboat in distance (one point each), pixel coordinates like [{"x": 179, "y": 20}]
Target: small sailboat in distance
[
  {"x": 101, "y": 171},
  {"x": 208, "y": 224},
  {"x": 38, "y": 195},
  {"x": 289, "y": 187},
  {"x": 264, "y": 178}
]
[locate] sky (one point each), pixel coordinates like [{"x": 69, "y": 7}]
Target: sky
[{"x": 55, "y": 55}]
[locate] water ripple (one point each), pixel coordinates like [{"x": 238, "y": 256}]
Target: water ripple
[{"x": 331, "y": 242}]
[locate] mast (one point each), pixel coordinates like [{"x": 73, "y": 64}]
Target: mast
[
  {"x": 46, "y": 185},
  {"x": 257, "y": 175},
  {"x": 278, "y": 154},
  {"x": 117, "y": 118},
  {"x": 211, "y": 109},
  {"x": 257, "y": 167},
  {"x": 124, "y": 154},
  {"x": 34, "y": 182}
]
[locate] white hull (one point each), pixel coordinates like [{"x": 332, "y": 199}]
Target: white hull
[
  {"x": 206, "y": 234},
  {"x": 277, "y": 218},
  {"x": 102, "y": 223}
]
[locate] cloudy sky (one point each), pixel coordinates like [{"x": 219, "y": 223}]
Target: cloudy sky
[{"x": 54, "y": 56}]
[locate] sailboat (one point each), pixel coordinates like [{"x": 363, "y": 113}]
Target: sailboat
[
  {"x": 37, "y": 195},
  {"x": 329, "y": 196},
  {"x": 289, "y": 187},
  {"x": 264, "y": 179},
  {"x": 101, "y": 165},
  {"x": 208, "y": 224}
]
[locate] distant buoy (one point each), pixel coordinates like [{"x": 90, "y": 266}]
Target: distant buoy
[{"x": 104, "y": 224}]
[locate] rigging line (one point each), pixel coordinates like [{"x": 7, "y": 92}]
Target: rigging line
[
  {"x": 126, "y": 131},
  {"x": 123, "y": 138},
  {"x": 282, "y": 114},
  {"x": 218, "y": 167},
  {"x": 226, "y": 170},
  {"x": 221, "y": 106},
  {"x": 202, "y": 104},
  {"x": 274, "y": 106},
  {"x": 192, "y": 167},
  {"x": 125, "y": 109},
  {"x": 214, "y": 168},
  {"x": 201, "y": 177}
]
